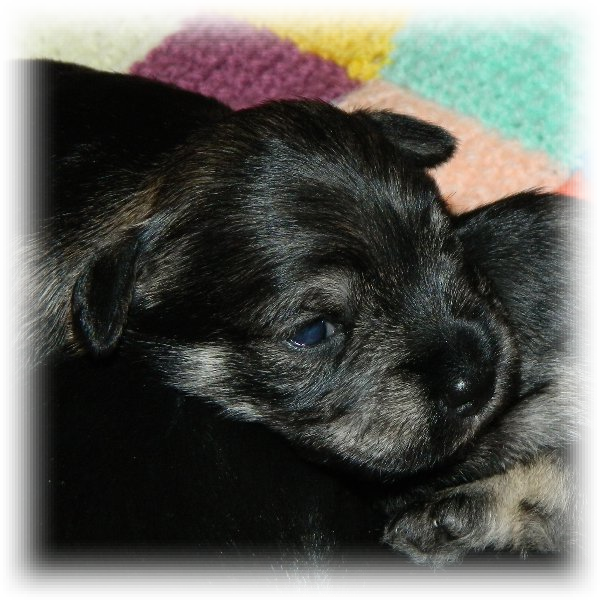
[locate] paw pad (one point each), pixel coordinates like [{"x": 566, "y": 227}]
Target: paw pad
[{"x": 442, "y": 529}]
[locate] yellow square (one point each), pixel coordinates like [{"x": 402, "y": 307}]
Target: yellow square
[{"x": 356, "y": 35}]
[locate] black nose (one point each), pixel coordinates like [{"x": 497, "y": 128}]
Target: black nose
[
  {"x": 466, "y": 392},
  {"x": 461, "y": 374}
]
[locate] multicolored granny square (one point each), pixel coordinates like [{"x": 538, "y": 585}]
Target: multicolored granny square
[{"x": 507, "y": 91}]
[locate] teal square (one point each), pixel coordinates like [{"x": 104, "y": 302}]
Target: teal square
[{"x": 520, "y": 79}]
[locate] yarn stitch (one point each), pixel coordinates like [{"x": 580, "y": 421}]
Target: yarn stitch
[
  {"x": 107, "y": 35},
  {"x": 356, "y": 35},
  {"x": 509, "y": 92},
  {"x": 242, "y": 66},
  {"x": 519, "y": 79}
]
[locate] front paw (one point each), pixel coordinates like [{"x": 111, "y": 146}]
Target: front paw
[
  {"x": 443, "y": 529},
  {"x": 529, "y": 508}
]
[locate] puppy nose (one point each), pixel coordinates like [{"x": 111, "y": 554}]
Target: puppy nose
[
  {"x": 468, "y": 391},
  {"x": 461, "y": 373}
]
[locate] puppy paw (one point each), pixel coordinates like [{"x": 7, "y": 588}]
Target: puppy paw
[
  {"x": 442, "y": 530},
  {"x": 525, "y": 509}
]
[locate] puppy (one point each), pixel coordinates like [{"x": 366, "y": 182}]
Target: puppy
[
  {"x": 292, "y": 263},
  {"x": 295, "y": 266}
]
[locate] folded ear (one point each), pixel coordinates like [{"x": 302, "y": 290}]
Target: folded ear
[
  {"x": 102, "y": 296},
  {"x": 424, "y": 144}
]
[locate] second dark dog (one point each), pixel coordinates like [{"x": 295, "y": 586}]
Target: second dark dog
[
  {"x": 513, "y": 486},
  {"x": 118, "y": 487}
]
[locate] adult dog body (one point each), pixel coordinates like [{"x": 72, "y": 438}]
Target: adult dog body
[{"x": 295, "y": 266}]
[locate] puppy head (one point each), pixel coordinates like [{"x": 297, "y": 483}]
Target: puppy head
[{"x": 301, "y": 270}]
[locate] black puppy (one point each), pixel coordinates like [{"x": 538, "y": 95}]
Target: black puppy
[
  {"x": 117, "y": 487},
  {"x": 292, "y": 262},
  {"x": 293, "y": 265}
]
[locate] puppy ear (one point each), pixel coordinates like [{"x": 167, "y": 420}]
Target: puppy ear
[
  {"x": 102, "y": 296},
  {"x": 424, "y": 144}
]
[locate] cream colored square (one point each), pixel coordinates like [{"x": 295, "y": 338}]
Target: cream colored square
[{"x": 109, "y": 44}]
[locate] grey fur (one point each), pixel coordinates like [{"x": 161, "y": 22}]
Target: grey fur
[{"x": 527, "y": 508}]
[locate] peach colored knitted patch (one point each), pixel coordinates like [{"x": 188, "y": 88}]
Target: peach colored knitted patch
[
  {"x": 486, "y": 166},
  {"x": 576, "y": 186}
]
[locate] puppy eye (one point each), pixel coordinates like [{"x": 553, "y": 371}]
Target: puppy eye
[{"x": 314, "y": 333}]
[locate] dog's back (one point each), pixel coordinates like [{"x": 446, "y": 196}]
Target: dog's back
[
  {"x": 131, "y": 465},
  {"x": 115, "y": 487}
]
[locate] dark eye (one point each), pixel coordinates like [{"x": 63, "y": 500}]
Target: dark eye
[{"x": 314, "y": 333}]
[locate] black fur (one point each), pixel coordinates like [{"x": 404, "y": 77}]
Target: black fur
[
  {"x": 116, "y": 487},
  {"x": 134, "y": 466},
  {"x": 533, "y": 249},
  {"x": 102, "y": 296},
  {"x": 188, "y": 246},
  {"x": 247, "y": 226}
]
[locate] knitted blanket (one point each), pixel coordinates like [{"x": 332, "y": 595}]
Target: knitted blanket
[{"x": 507, "y": 92}]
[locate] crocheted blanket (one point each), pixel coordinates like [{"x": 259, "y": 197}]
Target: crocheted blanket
[{"x": 509, "y": 94}]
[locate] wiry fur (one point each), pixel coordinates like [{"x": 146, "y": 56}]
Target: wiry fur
[
  {"x": 526, "y": 508},
  {"x": 196, "y": 242}
]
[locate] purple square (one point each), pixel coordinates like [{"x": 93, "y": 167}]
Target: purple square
[{"x": 242, "y": 66}]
